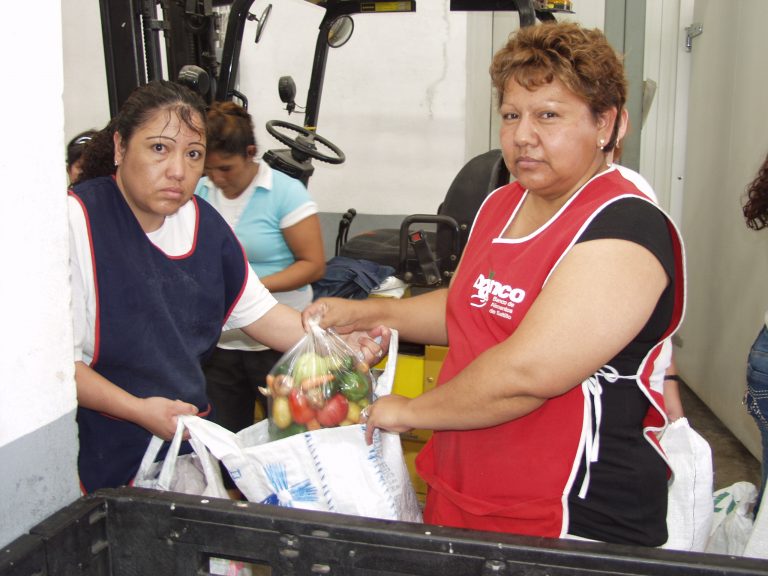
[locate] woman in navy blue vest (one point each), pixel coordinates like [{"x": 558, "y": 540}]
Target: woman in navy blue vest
[{"x": 156, "y": 275}]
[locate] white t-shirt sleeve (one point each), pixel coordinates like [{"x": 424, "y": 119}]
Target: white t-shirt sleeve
[
  {"x": 254, "y": 302},
  {"x": 302, "y": 212},
  {"x": 83, "y": 304}
]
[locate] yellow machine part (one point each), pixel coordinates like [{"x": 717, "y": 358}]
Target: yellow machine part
[{"x": 414, "y": 376}]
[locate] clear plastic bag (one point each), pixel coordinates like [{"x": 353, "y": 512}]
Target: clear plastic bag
[{"x": 319, "y": 383}]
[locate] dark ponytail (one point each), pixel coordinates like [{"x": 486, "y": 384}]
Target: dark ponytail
[{"x": 98, "y": 157}]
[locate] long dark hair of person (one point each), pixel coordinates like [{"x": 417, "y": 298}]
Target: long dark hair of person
[
  {"x": 98, "y": 156},
  {"x": 99, "y": 153},
  {"x": 756, "y": 207}
]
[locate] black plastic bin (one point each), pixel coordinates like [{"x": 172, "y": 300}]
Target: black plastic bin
[{"x": 150, "y": 533}]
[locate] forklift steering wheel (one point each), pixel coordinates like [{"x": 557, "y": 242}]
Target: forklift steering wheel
[{"x": 304, "y": 142}]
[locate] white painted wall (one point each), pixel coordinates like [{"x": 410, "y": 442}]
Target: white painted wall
[
  {"x": 36, "y": 373},
  {"x": 36, "y": 356}
]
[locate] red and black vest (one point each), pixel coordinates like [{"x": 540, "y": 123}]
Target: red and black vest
[{"x": 518, "y": 476}]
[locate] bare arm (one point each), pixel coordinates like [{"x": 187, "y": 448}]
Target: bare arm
[
  {"x": 593, "y": 305},
  {"x": 420, "y": 319},
  {"x": 156, "y": 414},
  {"x": 306, "y": 243},
  {"x": 280, "y": 328},
  {"x": 673, "y": 405}
]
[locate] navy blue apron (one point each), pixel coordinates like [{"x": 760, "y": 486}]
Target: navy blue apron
[{"x": 157, "y": 318}]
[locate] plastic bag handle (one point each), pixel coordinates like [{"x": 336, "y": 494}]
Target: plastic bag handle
[
  {"x": 169, "y": 463},
  {"x": 216, "y": 439}
]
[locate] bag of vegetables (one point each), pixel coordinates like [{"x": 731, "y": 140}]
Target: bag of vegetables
[{"x": 319, "y": 383}]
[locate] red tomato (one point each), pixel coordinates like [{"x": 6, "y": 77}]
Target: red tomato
[
  {"x": 334, "y": 411},
  {"x": 300, "y": 409}
]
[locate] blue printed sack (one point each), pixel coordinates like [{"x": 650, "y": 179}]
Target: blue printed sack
[{"x": 331, "y": 469}]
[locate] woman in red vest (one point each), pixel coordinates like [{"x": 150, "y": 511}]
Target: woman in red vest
[{"x": 550, "y": 398}]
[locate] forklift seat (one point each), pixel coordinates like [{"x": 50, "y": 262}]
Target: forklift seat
[{"x": 428, "y": 258}]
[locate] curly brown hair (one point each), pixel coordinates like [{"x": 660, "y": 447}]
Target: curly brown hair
[
  {"x": 581, "y": 58},
  {"x": 756, "y": 207},
  {"x": 230, "y": 129}
]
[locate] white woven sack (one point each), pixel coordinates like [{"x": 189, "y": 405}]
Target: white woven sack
[
  {"x": 689, "y": 505},
  {"x": 757, "y": 545},
  {"x": 330, "y": 470},
  {"x": 732, "y": 523}
]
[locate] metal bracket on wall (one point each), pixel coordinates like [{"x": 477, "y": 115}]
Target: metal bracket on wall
[{"x": 691, "y": 32}]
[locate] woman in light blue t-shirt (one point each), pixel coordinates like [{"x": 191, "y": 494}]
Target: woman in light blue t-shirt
[{"x": 276, "y": 221}]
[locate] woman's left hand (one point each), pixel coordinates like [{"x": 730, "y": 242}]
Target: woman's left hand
[{"x": 386, "y": 413}]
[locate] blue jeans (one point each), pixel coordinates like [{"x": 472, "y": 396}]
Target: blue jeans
[{"x": 756, "y": 397}]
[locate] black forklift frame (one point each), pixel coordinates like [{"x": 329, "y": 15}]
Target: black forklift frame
[
  {"x": 132, "y": 46},
  {"x": 123, "y": 45}
]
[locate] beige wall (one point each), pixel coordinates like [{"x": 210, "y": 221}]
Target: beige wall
[{"x": 727, "y": 263}]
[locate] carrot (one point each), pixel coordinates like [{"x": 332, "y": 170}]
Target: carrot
[
  {"x": 269, "y": 390},
  {"x": 315, "y": 381}
]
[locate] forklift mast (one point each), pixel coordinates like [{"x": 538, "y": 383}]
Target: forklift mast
[{"x": 132, "y": 42}]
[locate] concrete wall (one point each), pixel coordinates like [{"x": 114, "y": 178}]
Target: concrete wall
[{"x": 38, "y": 447}]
